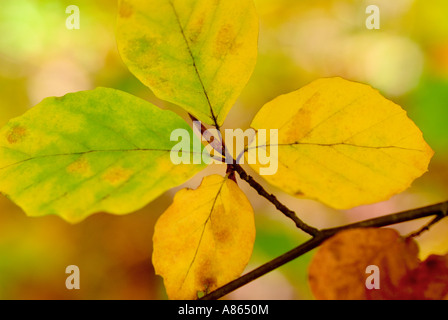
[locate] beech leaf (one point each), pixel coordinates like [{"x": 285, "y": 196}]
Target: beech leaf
[
  {"x": 342, "y": 143},
  {"x": 198, "y": 54},
  {"x": 204, "y": 239},
  {"x": 338, "y": 269},
  {"x": 429, "y": 281},
  {"x": 91, "y": 151}
]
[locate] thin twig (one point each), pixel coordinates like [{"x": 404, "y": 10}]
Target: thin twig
[
  {"x": 233, "y": 167},
  {"x": 425, "y": 227},
  {"x": 273, "y": 199},
  {"x": 439, "y": 209},
  {"x": 396, "y": 218},
  {"x": 443, "y": 214}
]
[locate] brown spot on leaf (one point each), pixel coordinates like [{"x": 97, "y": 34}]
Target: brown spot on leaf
[
  {"x": 225, "y": 41},
  {"x": 209, "y": 285},
  {"x": 221, "y": 234},
  {"x": 195, "y": 30},
  {"x": 80, "y": 166},
  {"x": 16, "y": 134},
  {"x": 126, "y": 10},
  {"x": 204, "y": 276},
  {"x": 117, "y": 175}
]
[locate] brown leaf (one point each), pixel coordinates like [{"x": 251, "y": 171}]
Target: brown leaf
[
  {"x": 429, "y": 281},
  {"x": 338, "y": 270}
]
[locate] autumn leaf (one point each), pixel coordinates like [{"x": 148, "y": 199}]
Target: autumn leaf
[
  {"x": 196, "y": 54},
  {"x": 342, "y": 143},
  {"x": 91, "y": 151},
  {"x": 204, "y": 239},
  {"x": 429, "y": 281},
  {"x": 338, "y": 269}
]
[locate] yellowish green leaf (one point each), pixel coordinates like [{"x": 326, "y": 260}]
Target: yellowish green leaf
[
  {"x": 204, "y": 239},
  {"x": 198, "y": 54},
  {"x": 91, "y": 151},
  {"x": 342, "y": 143}
]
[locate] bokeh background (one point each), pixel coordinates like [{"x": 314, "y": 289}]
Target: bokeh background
[{"x": 407, "y": 60}]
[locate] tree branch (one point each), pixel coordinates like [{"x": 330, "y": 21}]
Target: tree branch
[
  {"x": 439, "y": 210},
  {"x": 233, "y": 167},
  {"x": 273, "y": 199},
  {"x": 318, "y": 236}
]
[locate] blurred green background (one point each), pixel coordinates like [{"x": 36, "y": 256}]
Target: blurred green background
[{"x": 300, "y": 40}]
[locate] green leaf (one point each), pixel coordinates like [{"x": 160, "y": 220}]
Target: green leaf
[
  {"x": 91, "y": 151},
  {"x": 198, "y": 54}
]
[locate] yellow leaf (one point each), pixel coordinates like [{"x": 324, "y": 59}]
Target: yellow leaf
[
  {"x": 342, "y": 143},
  {"x": 204, "y": 239},
  {"x": 198, "y": 54}
]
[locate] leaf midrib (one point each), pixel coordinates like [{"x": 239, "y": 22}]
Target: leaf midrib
[
  {"x": 203, "y": 229},
  {"x": 212, "y": 113},
  {"x": 88, "y": 152}
]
